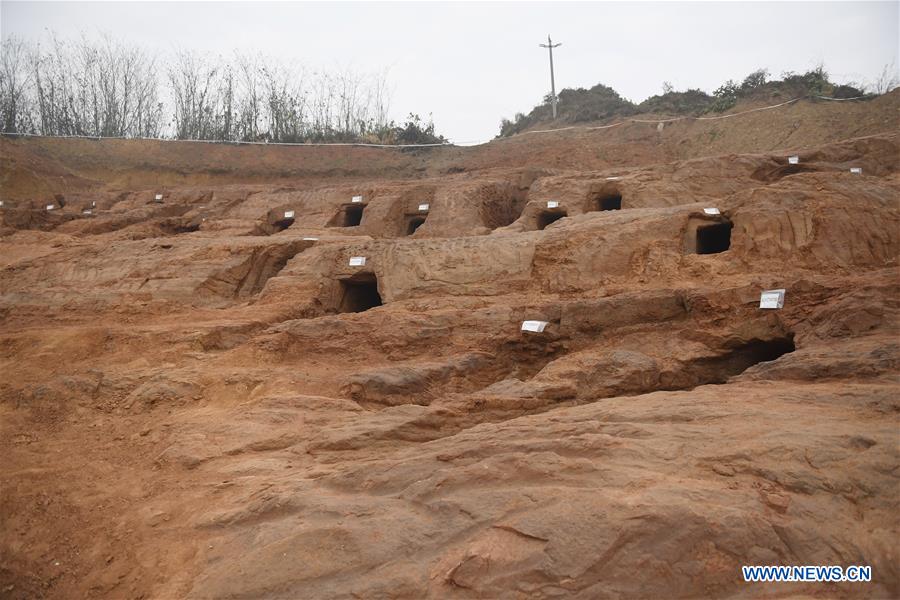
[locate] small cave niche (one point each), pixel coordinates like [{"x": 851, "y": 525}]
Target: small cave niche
[
  {"x": 770, "y": 174},
  {"x": 608, "y": 202},
  {"x": 732, "y": 361},
  {"x": 739, "y": 359},
  {"x": 769, "y": 350},
  {"x": 263, "y": 265},
  {"x": 714, "y": 237},
  {"x": 190, "y": 228},
  {"x": 413, "y": 223},
  {"x": 350, "y": 216},
  {"x": 547, "y": 217},
  {"x": 503, "y": 205},
  {"x": 359, "y": 293},
  {"x": 282, "y": 224},
  {"x": 177, "y": 227}
]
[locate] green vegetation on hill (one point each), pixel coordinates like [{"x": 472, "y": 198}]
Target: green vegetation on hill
[{"x": 602, "y": 102}]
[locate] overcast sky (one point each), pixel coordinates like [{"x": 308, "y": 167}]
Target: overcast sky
[{"x": 470, "y": 64}]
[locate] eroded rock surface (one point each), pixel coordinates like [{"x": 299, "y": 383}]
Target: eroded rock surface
[{"x": 203, "y": 398}]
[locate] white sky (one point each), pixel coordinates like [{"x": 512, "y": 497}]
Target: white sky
[{"x": 470, "y": 64}]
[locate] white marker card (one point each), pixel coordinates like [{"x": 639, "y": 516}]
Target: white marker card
[
  {"x": 50, "y": 207},
  {"x": 534, "y": 326},
  {"x": 310, "y": 239},
  {"x": 611, "y": 178},
  {"x": 288, "y": 214},
  {"x": 356, "y": 199},
  {"x": 86, "y": 211},
  {"x": 711, "y": 211},
  {"x": 771, "y": 299},
  {"x": 158, "y": 197},
  {"x": 793, "y": 160},
  {"x": 357, "y": 261},
  {"x": 423, "y": 207},
  {"x": 857, "y": 170},
  {"x": 552, "y": 204}
]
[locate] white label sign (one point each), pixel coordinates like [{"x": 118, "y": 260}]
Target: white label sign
[
  {"x": 357, "y": 261},
  {"x": 857, "y": 170},
  {"x": 534, "y": 326},
  {"x": 288, "y": 214},
  {"x": 611, "y": 178},
  {"x": 711, "y": 211},
  {"x": 50, "y": 207},
  {"x": 771, "y": 299},
  {"x": 158, "y": 197},
  {"x": 423, "y": 207},
  {"x": 310, "y": 239},
  {"x": 356, "y": 199},
  {"x": 86, "y": 211},
  {"x": 793, "y": 160},
  {"x": 552, "y": 204}
]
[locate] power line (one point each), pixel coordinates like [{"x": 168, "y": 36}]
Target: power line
[{"x": 550, "y": 45}]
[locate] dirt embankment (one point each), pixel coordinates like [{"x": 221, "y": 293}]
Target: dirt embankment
[
  {"x": 207, "y": 392},
  {"x": 37, "y": 168}
]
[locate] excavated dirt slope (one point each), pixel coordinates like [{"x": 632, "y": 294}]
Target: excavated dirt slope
[{"x": 204, "y": 395}]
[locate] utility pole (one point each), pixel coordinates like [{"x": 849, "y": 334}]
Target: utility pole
[{"x": 550, "y": 45}]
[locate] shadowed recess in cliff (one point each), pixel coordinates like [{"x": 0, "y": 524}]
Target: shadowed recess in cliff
[
  {"x": 714, "y": 238},
  {"x": 732, "y": 361},
  {"x": 249, "y": 277},
  {"x": 349, "y": 215},
  {"x": 503, "y": 204},
  {"x": 548, "y": 217},
  {"x": 773, "y": 172},
  {"x": 607, "y": 202},
  {"x": 177, "y": 227},
  {"x": 282, "y": 224},
  {"x": 413, "y": 224},
  {"x": 359, "y": 293}
]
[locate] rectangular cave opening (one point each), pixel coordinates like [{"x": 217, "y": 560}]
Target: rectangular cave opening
[
  {"x": 352, "y": 216},
  {"x": 609, "y": 202},
  {"x": 359, "y": 293},
  {"x": 546, "y": 218},
  {"x": 714, "y": 238},
  {"x": 413, "y": 223}
]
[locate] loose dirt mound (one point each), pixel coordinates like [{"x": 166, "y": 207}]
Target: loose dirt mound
[{"x": 208, "y": 392}]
